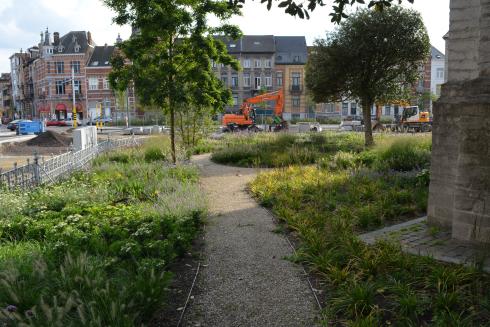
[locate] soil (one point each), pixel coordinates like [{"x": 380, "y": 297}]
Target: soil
[
  {"x": 184, "y": 271},
  {"x": 50, "y": 139}
]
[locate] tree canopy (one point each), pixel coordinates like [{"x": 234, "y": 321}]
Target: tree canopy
[
  {"x": 372, "y": 56},
  {"x": 338, "y": 7},
  {"x": 168, "y": 57}
]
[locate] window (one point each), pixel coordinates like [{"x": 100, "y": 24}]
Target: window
[
  {"x": 387, "y": 110},
  {"x": 257, "y": 63},
  {"x": 213, "y": 64},
  {"x": 49, "y": 67},
  {"x": 77, "y": 85},
  {"x": 60, "y": 87},
  {"x": 397, "y": 110},
  {"x": 267, "y": 63},
  {"x": 246, "y": 80},
  {"x": 296, "y": 101},
  {"x": 258, "y": 83},
  {"x": 296, "y": 59},
  {"x": 246, "y": 63},
  {"x": 60, "y": 67},
  {"x": 330, "y": 108},
  {"x": 279, "y": 79},
  {"x": 232, "y": 45},
  {"x": 105, "y": 83},
  {"x": 268, "y": 81},
  {"x": 440, "y": 73},
  {"x": 353, "y": 108},
  {"x": 93, "y": 83},
  {"x": 224, "y": 79},
  {"x": 234, "y": 81},
  {"x": 345, "y": 109},
  {"x": 235, "y": 100},
  {"x": 296, "y": 79},
  {"x": 76, "y": 66}
]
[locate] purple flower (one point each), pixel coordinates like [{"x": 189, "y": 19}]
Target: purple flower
[
  {"x": 11, "y": 308},
  {"x": 29, "y": 314}
]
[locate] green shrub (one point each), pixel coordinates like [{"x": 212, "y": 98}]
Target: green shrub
[
  {"x": 404, "y": 154},
  {"x": 154, "y": 154},
  {"x": 96, "y": 249},
  {"x": 376, "y": 285}
]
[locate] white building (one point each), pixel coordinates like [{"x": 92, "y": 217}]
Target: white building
[{"x": 438, "y": 66}]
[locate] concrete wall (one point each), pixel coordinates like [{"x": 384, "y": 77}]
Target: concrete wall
[{"x": 459, "y": 193}]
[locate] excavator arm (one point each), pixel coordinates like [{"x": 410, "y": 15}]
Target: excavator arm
[{"x": 277, "y": 96}]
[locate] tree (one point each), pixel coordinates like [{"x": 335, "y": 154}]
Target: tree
[
  {"x": 338, "y": 7},
  {"x": 168, "y": 57},
  {"x": 371, "y": 56}
]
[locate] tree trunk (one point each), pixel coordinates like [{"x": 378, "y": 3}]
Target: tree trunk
[
  {"x": 172, "y": 131},
  {"x": 368, "y": 130}
]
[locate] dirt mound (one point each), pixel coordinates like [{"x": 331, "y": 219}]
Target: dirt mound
[{"x": 50, "y": 139}]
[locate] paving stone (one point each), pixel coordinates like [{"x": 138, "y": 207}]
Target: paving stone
[{"x": 417, "y": 237}]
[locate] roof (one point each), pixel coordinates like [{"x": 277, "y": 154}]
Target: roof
[
  {"x": 291, "y": 50},
  {"x": 101, "y": 56},
  {"x": 436, "y": 54},
  {"x": 73, "y": 40},
  {"x": 258, "y": 44},
  {"x": 232, "y": 46}
]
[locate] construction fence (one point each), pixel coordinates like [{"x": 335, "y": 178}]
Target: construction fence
[{"x": 39, "y": 172}]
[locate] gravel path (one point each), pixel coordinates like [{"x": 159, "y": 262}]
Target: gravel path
[{"x": 245, "y": 280}]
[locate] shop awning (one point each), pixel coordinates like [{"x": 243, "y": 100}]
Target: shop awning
[
  {"x": 44, "y": 109},
  {"x": 61, "y": 107}
]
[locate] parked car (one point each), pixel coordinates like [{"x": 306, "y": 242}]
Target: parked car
[
  {"x": 55, "y": 123},
  {"x": 14, "y": 123},
  {"x": 309, "y": 127}
]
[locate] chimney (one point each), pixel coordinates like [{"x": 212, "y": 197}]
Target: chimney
[
  {"x": 89, "y": 38},
  {"x": 47, "y": 40},
  {"x": 42, "y": 37},
  {"x": 56, "y": 37}
]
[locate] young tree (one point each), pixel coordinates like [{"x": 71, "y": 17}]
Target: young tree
[
  {"x": 168, "y": 57},
  {"x": 371, "y": 56}
]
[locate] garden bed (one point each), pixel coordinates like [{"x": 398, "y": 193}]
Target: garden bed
[
  {"x": 347, "y": 193},
  {"x": 97, "y": 248}
]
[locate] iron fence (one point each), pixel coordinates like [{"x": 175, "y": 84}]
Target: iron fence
[{"x": 49, "y": 171}]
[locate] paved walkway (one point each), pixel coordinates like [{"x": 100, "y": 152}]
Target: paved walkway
[
  {"x": 245, "y": 280},
  {"x": 417, "y": 237}
]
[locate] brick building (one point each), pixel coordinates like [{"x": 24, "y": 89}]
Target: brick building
[
  {"x": 53, "y": 86},
  {"x": 269, "y": 63}
]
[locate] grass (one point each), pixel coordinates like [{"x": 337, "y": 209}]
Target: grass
[
  {"x": 95, "y": 250},
  {"x": 282, "y": 150},
  {"x": 353, "y": 191}
]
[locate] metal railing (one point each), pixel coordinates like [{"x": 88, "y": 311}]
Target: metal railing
[{"x": 54, "y": 169}]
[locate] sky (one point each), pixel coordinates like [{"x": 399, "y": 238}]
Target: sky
[{"x": 22, "y": 22}]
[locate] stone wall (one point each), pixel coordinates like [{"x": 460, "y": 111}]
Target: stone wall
[{"x": 459, "y": 193}]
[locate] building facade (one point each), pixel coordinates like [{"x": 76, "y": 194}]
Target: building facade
[
  {"x": 63, "y": 73},
  {"x": 5, "y": 96},
  {"x": 59, "y": 71},
  {"x": 438, "y": 69},
  {"x": 269, "y": 63}
]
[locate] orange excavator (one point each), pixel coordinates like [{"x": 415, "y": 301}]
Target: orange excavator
[{"x": 246, "y": 118}]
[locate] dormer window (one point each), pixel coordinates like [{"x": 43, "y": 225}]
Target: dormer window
[
  {"x": 232, "y": 45},
  {"x": 256, "y": 43},
  {"x": 61, "y": 48},
  {"x": 95, "y": 63},
  {"x": 106, "y": 63},
  {"x": 77, "y": 47}
]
